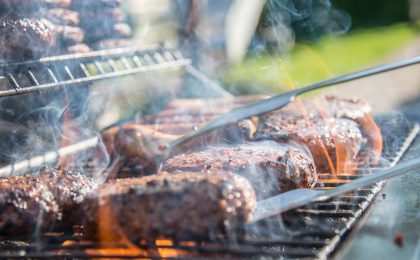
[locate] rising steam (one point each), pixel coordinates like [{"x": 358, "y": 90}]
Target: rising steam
[{"x": 285, "y": 21}]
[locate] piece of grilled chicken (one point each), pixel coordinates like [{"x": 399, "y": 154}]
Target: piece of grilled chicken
[{"x": 182, "y": 206}]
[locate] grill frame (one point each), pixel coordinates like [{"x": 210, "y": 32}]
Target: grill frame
[
  {"x": 325, "y": 245},
  {"x": 76, "y": 69},
  {"x": 45, "y": 246}
]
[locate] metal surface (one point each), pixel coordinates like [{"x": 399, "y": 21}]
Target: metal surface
[
  {"x": 279, "y": 101},
  {"x": 300, "y": 197},
  {"x": 313, "y": 231},
  {"x": 79, "y": 69}
]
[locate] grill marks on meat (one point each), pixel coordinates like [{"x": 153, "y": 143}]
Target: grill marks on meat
[
  {"x": 32, "y": 38},
  {"x": 185, "y": 205},
  {"x": 52, "y": 199},
  {"x": 270, "y": 167}
]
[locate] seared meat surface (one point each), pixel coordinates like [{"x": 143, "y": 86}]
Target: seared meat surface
[
  {"x": 340, "y": 133},
  {"x": 32, "y": 38},
  {"x": 137, "y": 146},
  {"x": 182, "y": 205},
  {"x": 26, "y": 38},
  {"x": 325, "y": 138},
  {"x": 59, "y": 16},
  {"x": 44, "y": 202},
  {"x": 270, "y": 167}
]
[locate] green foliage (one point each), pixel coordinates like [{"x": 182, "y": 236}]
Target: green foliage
[{"x": 331, "y": 56}]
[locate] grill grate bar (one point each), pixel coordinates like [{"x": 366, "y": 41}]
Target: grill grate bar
[
  {"x": 313, "y": 231},
  {"x": 153, "y": 58}
]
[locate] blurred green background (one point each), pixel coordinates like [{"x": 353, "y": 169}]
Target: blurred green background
[{"x": 379, "y": 28}]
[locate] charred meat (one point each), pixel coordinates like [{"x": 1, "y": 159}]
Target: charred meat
[
  {"x": 59, "y": 16},
  {"x": 270, "y": 167},
  {"x": 50, "y": 200},
  {"x": 184, "y": 205},
  {"x": 26, "y": 38},
  {"x": 32, "y": 38},
  {"x": 138, "y": 146},
  {"x": 327, "y": 139},
  {"x": 340, "y": 133}
]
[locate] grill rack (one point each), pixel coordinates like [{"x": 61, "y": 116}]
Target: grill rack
[
  {"x": 313, "y": 231},
  {"x": 80, "y": 69}
]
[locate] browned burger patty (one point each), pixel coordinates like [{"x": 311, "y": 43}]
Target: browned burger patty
[
  {"x": 44, "y": 202},
  {"x": 327, "y": 139},
  {"x": 270, "y": 167},
  {"x": 359, "y": 111},
  {"x": 182, "y": 205},
  {"x": 27, "y": 38},
  {"x": 60, "y": 16},
  {"x": 338, "y": 132},
  {"x": 137, "y": 146}
]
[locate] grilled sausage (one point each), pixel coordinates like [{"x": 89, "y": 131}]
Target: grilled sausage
[{"x": 185, "y": 205}]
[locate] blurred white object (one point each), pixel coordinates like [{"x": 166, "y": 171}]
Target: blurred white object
[{"x": 241, "y": 23}]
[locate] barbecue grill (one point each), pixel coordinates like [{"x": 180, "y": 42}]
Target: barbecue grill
[{"x": 314, "y": 231}]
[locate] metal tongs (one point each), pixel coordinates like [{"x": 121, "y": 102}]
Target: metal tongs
[
  {"x": 300, "y": 197},
  {"x": 277, "y": 102}
]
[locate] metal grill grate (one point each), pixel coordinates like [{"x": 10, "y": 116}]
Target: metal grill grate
[
  {"x": 314, "y": 231},
  {"x": 79, "y": 69}
]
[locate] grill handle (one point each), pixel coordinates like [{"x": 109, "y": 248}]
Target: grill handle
[
  {"x": 279, "y": 101},
  {"x": 300, "y": 197}
]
